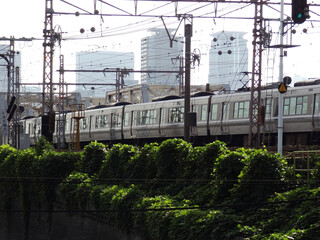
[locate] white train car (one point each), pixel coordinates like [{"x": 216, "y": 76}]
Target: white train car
[{"x": 224, "y": 117}]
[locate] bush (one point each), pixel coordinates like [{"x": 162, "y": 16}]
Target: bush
[
  {"x": 226, "y": 171},
  {"x": 142, "y": 165},
  {"x": 206, "y": 159},
  {"x": 75, "y": 191},
  {"x": 262, "y": 176},
  {"x": 9, "y": 189},
  {"x": 172, "y": 159},
  {"x": 42, "y": 146},
  {"x": 116, "y": 162},
  {"x": 93, "y": 156}
]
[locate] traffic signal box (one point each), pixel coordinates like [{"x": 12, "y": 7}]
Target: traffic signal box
[{"x": 300, "y": 11}]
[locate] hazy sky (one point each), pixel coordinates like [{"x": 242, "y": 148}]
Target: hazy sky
[{"x": 21, "y": 18}]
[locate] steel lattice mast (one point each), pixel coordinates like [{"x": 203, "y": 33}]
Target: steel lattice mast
[
  {"x": 254, "y": 128},
  {"x": 47, "y": 88},
  {"x": 11, "y": 93}
]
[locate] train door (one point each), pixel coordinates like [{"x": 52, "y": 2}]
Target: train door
[
  {"x": 133, "y": 124},
  {"x": 162, "y": 131},
  {"x": 91, "y": 135},
  {"x": 224, "y": 117},
  {"x": 195, "y": 109},
  {"x": 316, "y": 112}
]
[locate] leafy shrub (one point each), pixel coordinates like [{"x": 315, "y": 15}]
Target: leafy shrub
[
  {"x": 42, "y": 146},
  {"x": 298, "y": 208},
  {"x": 206, "y": 159},
  {"x": 172, "y": 158},
  {"x": 123, "y": 201},
  {"x": 75, "y": 190},
  {"x": 9, "y": 189},
  {"x": 5, "y": 151},
  {"x": 51, "y": 167},
  {"x": 116, "y": 162},
  {"x": 142, "y": 165},
  {"x": 226, "y": 171},
  {"x": 157, "y": 222},
  {"x": 262, "y": 176},
  {"x": 93, "y": 156}
]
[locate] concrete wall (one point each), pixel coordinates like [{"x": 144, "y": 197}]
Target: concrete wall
[{"x": 64, "y": 227}]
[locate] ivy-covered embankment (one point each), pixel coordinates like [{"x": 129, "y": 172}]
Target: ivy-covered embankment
[{"x": 167, "y": 191}]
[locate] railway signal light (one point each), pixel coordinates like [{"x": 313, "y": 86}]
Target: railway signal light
[
  {"x": 13, "y": 98},
  {"x": 13, "y": 109},
  {"x": 300, "y": 11}
]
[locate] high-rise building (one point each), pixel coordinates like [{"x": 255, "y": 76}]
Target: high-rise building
[
  {"x": 228, "y": 59},
  {"x": 157, "y": 55},
  {"x": 4, "y": 49},
  {"x": 102, "y": 60}
]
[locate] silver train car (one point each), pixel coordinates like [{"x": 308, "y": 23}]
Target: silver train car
[{"x": 224, "y": 117}]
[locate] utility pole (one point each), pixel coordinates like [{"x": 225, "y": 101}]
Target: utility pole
[
  {"x": 280, "y": 98},
  {"x": 13, "y": 91},
  {"x": 188, "y": 35}
]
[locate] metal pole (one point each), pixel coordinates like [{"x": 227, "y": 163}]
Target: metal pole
[
  {"x": 188, "y": 35},
  {"x": 280, "y": 98}
]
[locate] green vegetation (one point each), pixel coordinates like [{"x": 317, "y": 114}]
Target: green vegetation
[{"x": 168, "y": 191}]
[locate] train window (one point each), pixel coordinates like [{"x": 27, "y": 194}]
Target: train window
[
  {"x": 176, "y": 115},
  {"x": 225, "y": 114},
  {"x": 316, "y": 104},
  {"x": 214, "y": 111},
  {"x": 98, "y": 121},
  {"x": 204, "y": 110},
  {"x": 268, "y": 106},
  {"x": 104, "y": 121},
  {"x": 67, "y": 126},
  {"x": 295, "y": 105},
  {"x": 134, "y": 118},
  {"x": 116, "y": 120},
  {"x": 241, "y": 110},
  {"x": 84, "y": 123},
  {"x": 148, "y": 117},
  {"x": 119, "y": 120},
  {"x": 126, "y": 119}
]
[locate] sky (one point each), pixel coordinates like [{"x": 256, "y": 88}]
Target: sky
[{"x": 21, "y": 18}]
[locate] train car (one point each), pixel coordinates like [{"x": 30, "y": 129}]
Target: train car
[{"x": 224, "y": 117}]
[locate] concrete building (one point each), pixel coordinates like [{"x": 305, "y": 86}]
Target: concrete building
[
  {"x": 228, "y": 59},
  {"x": 156, "y": 54},
  {"x": 99, "y": 61}
]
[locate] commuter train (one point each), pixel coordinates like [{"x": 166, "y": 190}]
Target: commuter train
[{"x": 224, "y": 117}]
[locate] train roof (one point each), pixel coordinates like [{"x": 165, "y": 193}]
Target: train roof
[
  {"x": 202, "y": 94},
  {"x": 108, "y": 105},
  {"x": 165, "y": 98}
]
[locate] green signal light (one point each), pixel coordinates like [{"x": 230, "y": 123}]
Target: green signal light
[{"x": 299, "y": 15}]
